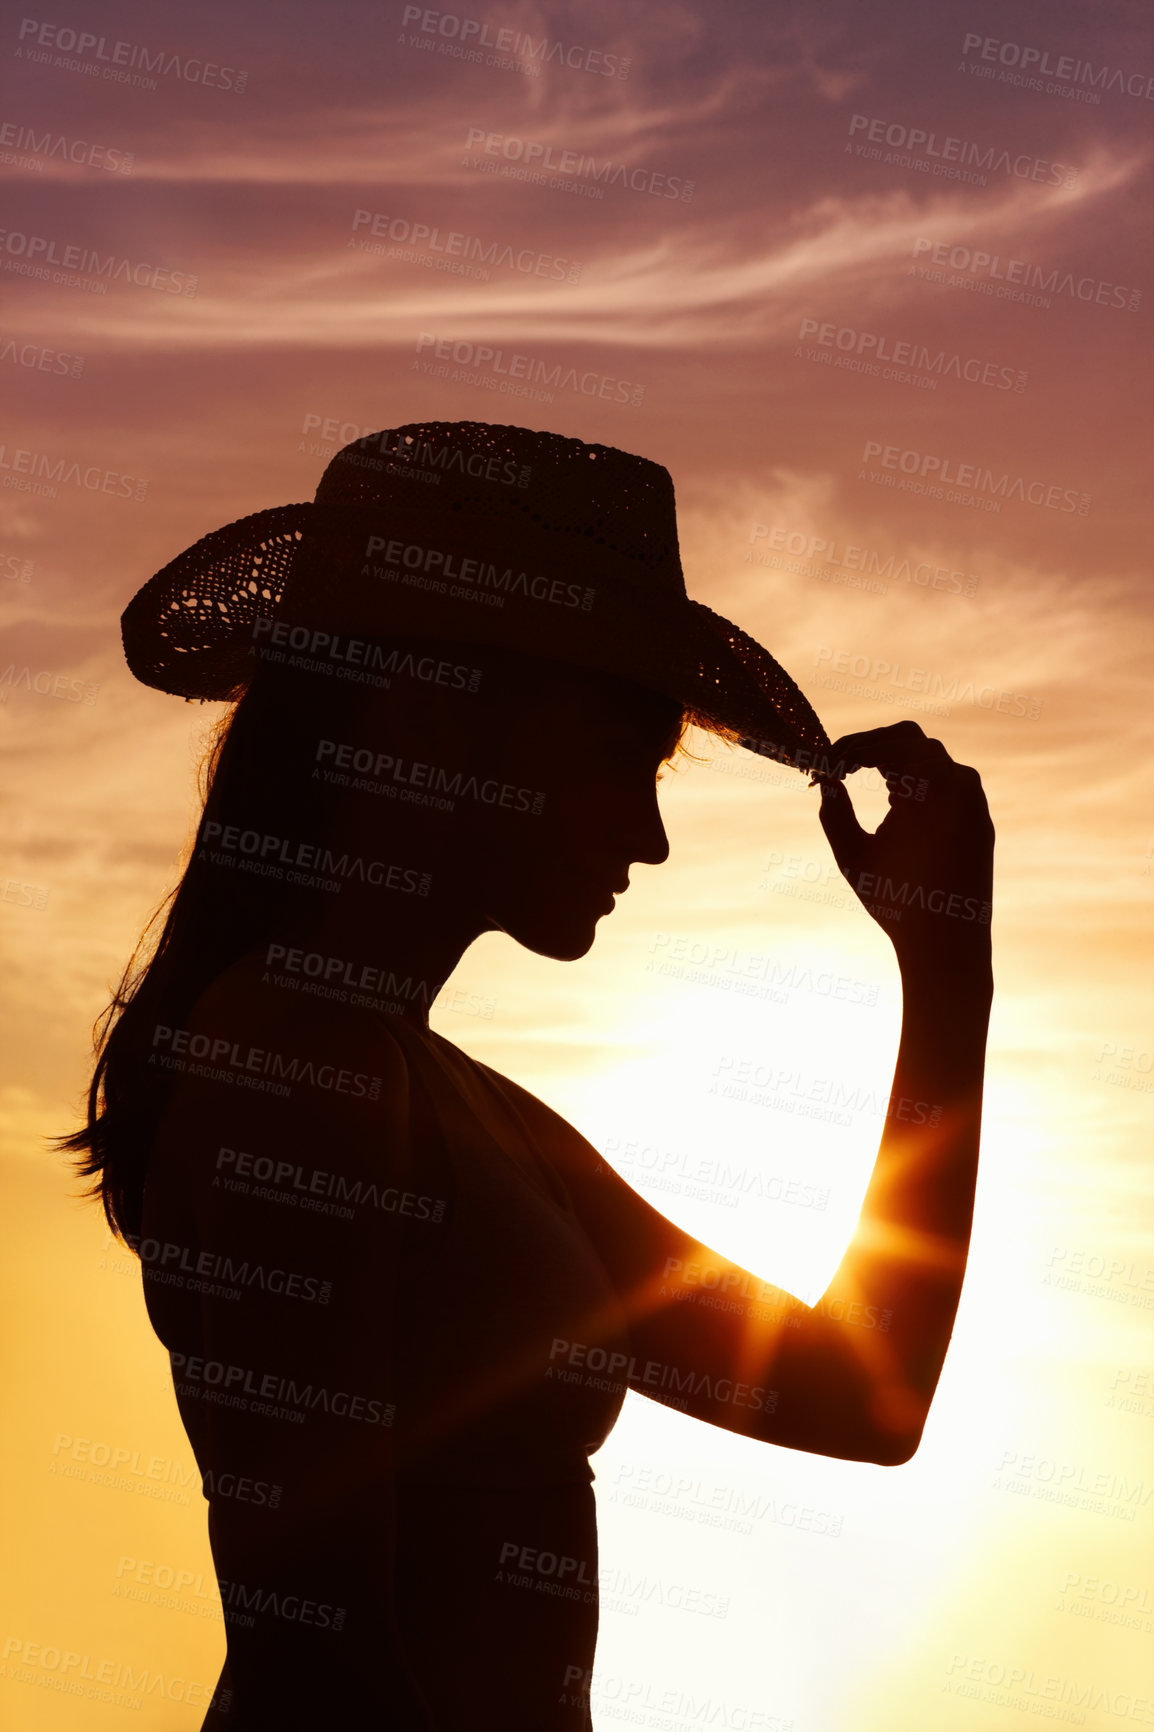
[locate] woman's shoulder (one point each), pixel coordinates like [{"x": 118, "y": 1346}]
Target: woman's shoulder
[
  {"x": 250, "y": 994},
  {"x": 249, "y": 1034},
  {"x": 265, "y": 1081},
  {"x": 551, "y": 1133}
]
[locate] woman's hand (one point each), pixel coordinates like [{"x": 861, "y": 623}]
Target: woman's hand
[{"x": 926, "y": 873}]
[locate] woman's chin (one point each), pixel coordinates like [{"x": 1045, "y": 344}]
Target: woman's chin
[{"x": 561, "y": 941}]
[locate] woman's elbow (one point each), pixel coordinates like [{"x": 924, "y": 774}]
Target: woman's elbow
[{"x": 892, "y": 1451}]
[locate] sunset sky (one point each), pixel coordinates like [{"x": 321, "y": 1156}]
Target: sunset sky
[{"x": 761, "y": 333}]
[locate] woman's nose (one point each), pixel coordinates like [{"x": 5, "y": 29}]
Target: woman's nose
[{"x": 648, "y": 842}]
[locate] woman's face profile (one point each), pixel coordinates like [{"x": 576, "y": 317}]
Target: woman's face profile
[
  {"x": 554, "y": 877},
  {"x": 568, "y": 761}
]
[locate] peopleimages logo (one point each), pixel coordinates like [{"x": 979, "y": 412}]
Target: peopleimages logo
[
  {"x": 863, "y": 350},
  {"x": 40, "y": 472},
  {"x": 956, "y": 158},
  {"x": 97, "y": 56},
  {"x": 37, "y": 252},
  {"x": 1066, "y": 69},
  {"x": 235, "y": 1385},
  {"x": 877, "y": 669},
  {"x": 319, "y": 1191},
  {"x": 934, "y": 474},
  {"x": 537, "y": 159},
  {"x": 473, "y": 361},
  {"x": 651, "y": 1374},
  {"x": 121, "y": 1683},
  {"x": 435, "y": 568},
  {"x": 170, "y": 1264},
  {"x": 40, "y": 358},
  {"x": 713, "y": 962},
  {"x": 406, "y": 454},
  {"x": 40, "y": 146},
  {"x": 474, "y": 33},
  {"x": 147, "y": 1579},
  {"x": 350, "y": 655},
  {"x": 311, "y": 864},
  {"x": 14, "y": 568},
  {"x": 974, "y": 261},
  {"x": 224, "y": 1056},
  {"x": 380, "y": 772},
  {"x": 457, "y": 249},
  {"x": 804, "y": 551},
  {"x": 47, "y": 684}
]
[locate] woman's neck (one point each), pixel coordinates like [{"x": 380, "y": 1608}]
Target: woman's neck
[{"x": 388, "y": 948}]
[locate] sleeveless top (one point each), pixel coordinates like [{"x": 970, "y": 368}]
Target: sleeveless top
[
  {"x": 495, "y": 1556},
  {"x": 488, "y": 1303},
  {"x": 488, "y": 1314}
]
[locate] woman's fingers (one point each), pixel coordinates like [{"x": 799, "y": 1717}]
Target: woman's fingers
[
  {"x": 935, "y": 845},
  {"x": 902, "y": 746},
  {"x": 845, "y": 835},
  {"x": 919, "y": 773}
]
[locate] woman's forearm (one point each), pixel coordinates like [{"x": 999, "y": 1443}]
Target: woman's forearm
[{"x": 908, "y": 1255}]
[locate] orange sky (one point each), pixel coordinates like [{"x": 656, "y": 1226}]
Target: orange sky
[{"x": 772, "y": 333}]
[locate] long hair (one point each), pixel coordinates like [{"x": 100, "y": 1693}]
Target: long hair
[{"x": 259, "y": 773}]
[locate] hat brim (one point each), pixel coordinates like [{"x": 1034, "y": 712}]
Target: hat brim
[{"x": 192, "y": 631}]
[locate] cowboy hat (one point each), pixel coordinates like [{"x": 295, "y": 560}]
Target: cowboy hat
[{"x": 471, "y": 532}]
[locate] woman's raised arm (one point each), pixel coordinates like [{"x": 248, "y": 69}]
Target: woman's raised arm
[{"x": 854, "y": 1375}]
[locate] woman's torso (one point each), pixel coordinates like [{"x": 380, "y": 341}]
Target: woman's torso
[
  {"x": 498, "y": 1538},
  {"x": 498, "y": 1314}
]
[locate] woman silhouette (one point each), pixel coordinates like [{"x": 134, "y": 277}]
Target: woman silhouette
[{"x": 404, "y": 1299}]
